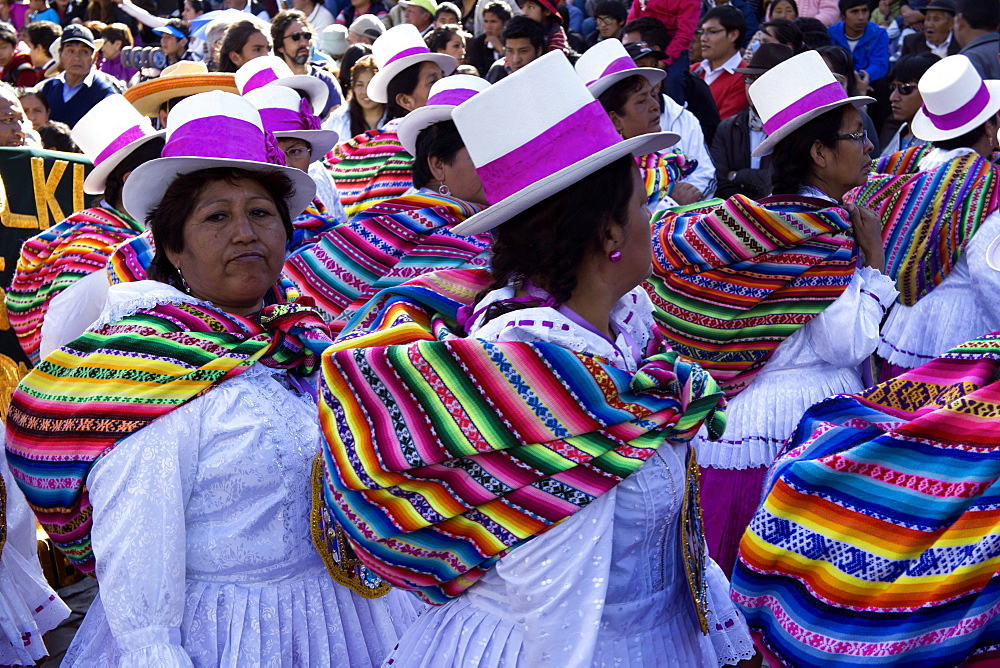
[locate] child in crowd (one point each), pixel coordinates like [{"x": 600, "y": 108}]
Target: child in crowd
[
  {"x": 546, "y": 14},
  {"x": 39, "y": 10}
]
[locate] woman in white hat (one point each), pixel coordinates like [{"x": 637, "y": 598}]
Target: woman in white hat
[
  {"x": 939, "y": 203},
  {"x": 470, "y": 480},
  {"x": 195, "y": 429},
  {"x": 780, "y": 299}
]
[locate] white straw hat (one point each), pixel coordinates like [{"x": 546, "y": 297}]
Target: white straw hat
[
  {"x": 207, "y": 131},
  {"x": 285, "y": 114},
  {"x": 794, "y": 92},
  {"x": 272, "y": 71},
  {"x": 607, "y": 62},
  {"x": 108, "y": 134},
  {"x": 445, "y": 95},
  {"x": 956, "y": 100},
  {"x": 562, "y": 135},
  {"x": 399, "y": 48}
]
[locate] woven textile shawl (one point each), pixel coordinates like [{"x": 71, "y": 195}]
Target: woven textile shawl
[
  {"x": 55, "y": 259},
  {"x": 442, "y": 453},
  {"x": 115, "y": 379},
  {"x": 879, "y": 540},
  {"x": 661, "y": 172},
  {"x": 384, "y": 245},
  {"x": 311, "y": 223},
  {"x": 370, "y": 168},
  {"x": 731, "y": 282},
  {"x": 929, "y": 216}
]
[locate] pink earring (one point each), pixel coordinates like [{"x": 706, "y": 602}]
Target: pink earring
[{"x": 615, "y": 256}]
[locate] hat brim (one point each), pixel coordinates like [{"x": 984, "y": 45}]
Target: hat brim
[
  {"x": 525, "y": 198},
  {"x": 652, "y": 74},
  {"x": 316, "y": 90},
  {"x": 97, "y": 180},
  {"x": 418, "y": 120},
  {"x": 788, "y": 128},
  {"x": 379, "y": 84},
  {"x": 321, "y": 141},
  {"x": 148, "y": 96},
  {"x": 147, "y": 185},
  {"x": 752, "y": 70},
  {"x": 922, "y": 127}
]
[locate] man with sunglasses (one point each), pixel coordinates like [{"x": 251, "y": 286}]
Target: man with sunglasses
[
  {"x": 905, "y": 100},
  {"x": 292, "y": 35}
]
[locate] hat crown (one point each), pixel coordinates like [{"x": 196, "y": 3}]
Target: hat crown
[
  {"x": 274, "y": 97},
  {"x": 397, "y": 41},
  {"x": 793, "y": 88},
  {"x": 112, "y": 124},
  {"x": 601, "y": 59},
  {"x": 456, "y": 89},
  {"x": 949, "y": 84},
  {"x": 225, "y": 115},
  {"x": 248, "y": 76},
  {"x": 182, "y": 67}
]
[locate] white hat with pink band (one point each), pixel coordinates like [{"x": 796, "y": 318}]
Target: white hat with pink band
[
  {"x": 273, "y": 71},
  {"x": 108, "y": 134},
  {"x": 397, "y": 49},
  {"x": 607, "y": 62},
  {"x": 794, "y": 92},
  {"x": 956, "y": 100},
  {"x": 208, "y": 131},
  {"x": 562, "y": 135},
  {"x": 445, "y": 95},
  {"x": 287, "y": 116}
]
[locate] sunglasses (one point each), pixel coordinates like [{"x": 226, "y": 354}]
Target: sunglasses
[
  {"x": 299, "y": 36},
  {"x": 605, "y": 20},
  {"x": 904, "y": 89}
]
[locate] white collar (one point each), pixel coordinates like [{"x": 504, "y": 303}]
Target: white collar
[
  {"x": 943, "y": 45},
  {"x": 88, "y": 80},
  {"x": 938, "y": 157},
  {"x": 729, "y": 66}
]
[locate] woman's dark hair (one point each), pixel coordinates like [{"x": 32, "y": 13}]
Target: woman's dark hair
[
  {"x": 440, "y": 140},
  {"x": 547, "y": 242},
  {"x": 791, "y": 161},
  {"x": 814, "y": 33},
  {"x": 770, "y": 7},
  {"x": 237, "y": 36},
  {"x": 166, "y": 221},
  {"x": 615, "y": 97},
  {"x": 437, "y": 39},
  {"x": 357, "y": 114},
  {"x": 968, "y": 139},
  {"x": 403, "y": 83},
  {"x": 786, "y": 33},
  {"x": 499, "y": 9},
  {"x": 843, "y": 64},
  {"x": 116, "y": 177},
  {"x": 36, "y": 92},
  {"x": 56, "y": 137},
  {"x": 909, "y": 69},
  {"x": 354, "y": 53},
  {"x": 101, "y": 10}
]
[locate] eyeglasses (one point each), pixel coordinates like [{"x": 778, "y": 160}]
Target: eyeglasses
[
  {"x": 299, "y": 36},
  {"x": 710, "y": 31},
  {"x": 605, "y": 20},
  {"x": 860, "y": 137},
  {"x": 904, "y": 89},
  {"x": 298, "y": 152}
]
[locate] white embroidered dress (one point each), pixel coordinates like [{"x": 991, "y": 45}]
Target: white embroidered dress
[
  {"x": 607, "y": 586},
  {"x": 202, "y": 536}
]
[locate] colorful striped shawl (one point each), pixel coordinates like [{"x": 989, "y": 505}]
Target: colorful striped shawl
[
  {"x": 311, "y": 223},
  {"x": 388, "y": 243},
  {"x": 929, "y": 216},
  {"x": 370, "y": 168},
  {"x": 879, "y": 539},
  {"x": 442, "y": 454},
  {"x": 661, "y": 172},
  {"x": 53, "y": 260},
  {"x": 732, "y": 283},
  {"x": 116, "y": 378}
]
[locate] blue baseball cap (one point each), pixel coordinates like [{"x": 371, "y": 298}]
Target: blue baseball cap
[{"x": 171, "y": 30}]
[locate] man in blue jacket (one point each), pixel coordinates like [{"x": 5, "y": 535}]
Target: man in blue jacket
[
  {"x": 79, "y": 86},
  {"x": 867, "y": 42}
]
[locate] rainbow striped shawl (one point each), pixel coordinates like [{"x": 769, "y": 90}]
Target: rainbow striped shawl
[
  {"x": 879, "y": 538},
  {"x": 370, "y": 168},
  {"x": 732, "y": 281},
  {"x": 311, "y": 223},
  {"x": 442, "y": 454},
  {"x": 929, "y": 216},
  {"x": 384, "y": 245},
  {"x": 116, "y": 378},
  {"x": 661, "y": 172},
  {"x": 53, "y": 260}
]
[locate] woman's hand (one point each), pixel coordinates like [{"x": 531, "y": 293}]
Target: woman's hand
[{"x": 868, "y": 233}]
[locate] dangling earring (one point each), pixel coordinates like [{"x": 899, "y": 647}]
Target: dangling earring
[
  {"x": 444, "y": 190},
  {"x": 615, "y": 256},
  {"x": 184, "y": 284}
]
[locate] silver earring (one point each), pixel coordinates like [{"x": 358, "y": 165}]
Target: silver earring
[
  {"x": 444, "y": 190},
  {"x": 184, "y": 284}
]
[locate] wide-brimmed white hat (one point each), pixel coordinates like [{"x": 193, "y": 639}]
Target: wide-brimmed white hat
[
  {"x": 561, "y": 136},
  {"x": 273, "y": 71},
  {"x": 107, "y": 134},
  {"x": 207, "y": 131},
  {"x": 399, "y": 48},
  {"x": 445, "y": 95},
  {"x": 607, "y": 62},
  {"x": 287, "y": 115},
  {"x": 956, "y": 100},
  {"x": 794, "y": 92}
]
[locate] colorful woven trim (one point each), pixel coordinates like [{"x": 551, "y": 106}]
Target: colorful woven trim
[
  {"x": 879, "y": 538},
  {"x": 929, "y": 216},
  {"x": 370, "y": 168},
  {"x": 661, "y": 172},
  {"x": 730, "y": 283},
  {"x": 384, "y": 245},
  {"x": 3, "y": 515},
  {"x": 53, "y": 260},
  {"x": 442, "y": 454},
  {"x": 85, "y": 397}
]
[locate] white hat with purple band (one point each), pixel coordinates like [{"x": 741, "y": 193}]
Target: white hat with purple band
[
  {"x": 207, "y": 131},
  {"x": 285, "y": 114},
  {"x": 398, "y": 48},
  {"x": 794, "y": 92},
  {"x": 445, "y": 95},
  {"x": 607, "y": 62},
  {"x": 562, "y": 135},
  {"x": 272, "y": 71},
  {"x": 107, "y": 135},
  {"x": 956, "y": 100}
]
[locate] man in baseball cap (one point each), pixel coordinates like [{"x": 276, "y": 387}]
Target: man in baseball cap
[
  {"x": 79, "y": 86},
  {"x": 365, "y": 30}
]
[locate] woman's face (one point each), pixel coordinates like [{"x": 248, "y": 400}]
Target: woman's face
[
  {"x": 255, "y": 47},
  {"x": 781, "y": 9},
  {"x": 234, "y": 245},
  {"x": 360, "y": 88},
  {"x": 298, "y": 153},
  {"x": 35, "y": 111},
  {"x": 110, "y": 49},
  {"x": 461, "y": 178},
  {"x": 641, "y": 113},
  {"x": 849, "y": 161},
  {"x": 456, "y": 47},
  {"x": 189, "y": 13}
]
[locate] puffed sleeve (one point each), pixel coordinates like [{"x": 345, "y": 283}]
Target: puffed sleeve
[
  {"x": 847, "y": 331},
  {"x": 557, "y": 584},
  {"x": 985, "y": 279},
  {"x": 139, "y": 492}
]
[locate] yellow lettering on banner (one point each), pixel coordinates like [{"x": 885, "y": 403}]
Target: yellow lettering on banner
[
  {"x": 45, "y": 190},
  {"x": 10, "y": 219},
  {"x": 78, "y": 175}
]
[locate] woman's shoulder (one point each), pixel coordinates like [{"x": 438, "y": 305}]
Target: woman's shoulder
[{"x": 125, "y": 299}]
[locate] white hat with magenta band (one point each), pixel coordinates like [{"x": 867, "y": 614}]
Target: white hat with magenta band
[
  {"x": 398, "y": 48},
  {"x": 272, "y": 71},
  {"x": 956, "y": 100},
  {"x": 562, "y": 135},
  {"x": 445, "y": 95},
  {"x": 286, "y": 115},
  {"x": 794, "y": 92},
  {"x": 108, "y": 134},
  {"x": 607, "y": 62}
]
